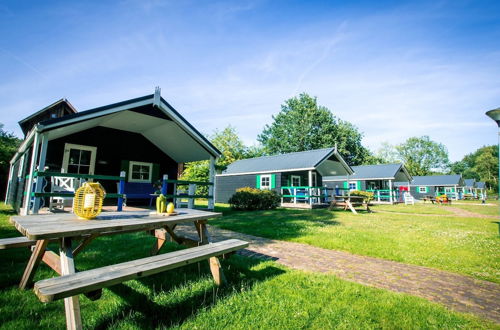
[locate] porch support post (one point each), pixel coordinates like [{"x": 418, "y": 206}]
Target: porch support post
[
  {"x": 41, "y": 167},
  {"x": 9, "y": 184},
  {"x": 29, "y": 184},
  {"x": 456, "y": 192},
  {"x": 390, "y": 192},
  {"x": 310, "y": 184},
  {"x": 164, "y": 184},
  {"x": 121, "y": 191},
  {"x": 211, "y": 188},
  {"x": 191, "y": 192}
]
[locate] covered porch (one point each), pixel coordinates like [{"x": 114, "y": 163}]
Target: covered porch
[{"x": 134, "y": 148}]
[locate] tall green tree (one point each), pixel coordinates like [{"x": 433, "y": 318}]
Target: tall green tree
[
  {"x": 481, "y": 165},
  {"x": 302, "y": 125},
  {"x": 232, "y": 148},
  {"x": 422, "y": 156},
  {"x": 8, "y": 146}
]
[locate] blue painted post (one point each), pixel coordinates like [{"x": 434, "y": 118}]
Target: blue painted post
[
  {"x": 121, "y": 190},
  {"x": 164, "y": 184}
]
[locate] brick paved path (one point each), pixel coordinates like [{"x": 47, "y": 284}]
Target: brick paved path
[{"x": 458, "y": 292}]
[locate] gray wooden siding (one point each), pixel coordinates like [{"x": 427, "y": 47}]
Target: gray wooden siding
[{"x": 225, "y": 186}]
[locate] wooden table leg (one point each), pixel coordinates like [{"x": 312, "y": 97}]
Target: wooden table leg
[
  {"x": 86, "y": 241},
  {"x": 36, "y": 257},
  {"x": 161, "y": 238},
  {"x": 214, "y": 263},
  {"x": 71, "y": 304}
]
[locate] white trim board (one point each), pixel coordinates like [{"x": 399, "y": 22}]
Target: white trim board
[{"x": 271, "y": 171}]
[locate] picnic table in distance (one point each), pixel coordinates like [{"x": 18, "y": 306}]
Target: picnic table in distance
[{"x": 350, "y": 202}]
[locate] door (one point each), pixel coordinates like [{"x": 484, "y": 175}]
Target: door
[{"x": 79, "y": 159}]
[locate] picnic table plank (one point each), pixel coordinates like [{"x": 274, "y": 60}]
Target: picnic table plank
[{"x": 69, "y": 225}]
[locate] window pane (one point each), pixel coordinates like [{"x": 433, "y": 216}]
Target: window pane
[
  {"x": 72, "y": 168},
  {"x": 74, "y": 156},
  {"x": 85, "y": 157},
  {"x": 84, "y": 169}
]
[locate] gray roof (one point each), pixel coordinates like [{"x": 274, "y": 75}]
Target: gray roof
[
  {"x": 292, "y": 161},
  {"x": 382, "y": 171},
  {"x": 480, "y": 185},
  {"x": 437, "y": 180},
  {"x": 470, "y": 182}
]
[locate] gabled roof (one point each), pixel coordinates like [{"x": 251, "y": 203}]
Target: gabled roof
[
  {"x": 295, "y": 161},
  {"x": 470, "y": 183},
  {"x": 373, "y": 172},
  {"x": 28, "y": 122},
  {"x": 438, "y": 180},
  {"x": 148, "y": 115},
  {"x": 480, "y": 185}
]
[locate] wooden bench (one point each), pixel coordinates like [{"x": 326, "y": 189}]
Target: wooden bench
[
  {"x": 15, "y": 242},
  {"x": 91, "y": 280},
  {"x": 139, "y": 190}
]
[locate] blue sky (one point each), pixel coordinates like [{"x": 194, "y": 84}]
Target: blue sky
[{"x": 394, "y": 69}]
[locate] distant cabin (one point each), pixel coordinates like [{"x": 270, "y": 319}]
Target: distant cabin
[
  {"x": 435, "y": 185},
  {"x": 295, "y": 175},
  {"x": 378, "y": 179}
]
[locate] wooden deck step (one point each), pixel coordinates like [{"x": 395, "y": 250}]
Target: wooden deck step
[
  {"x": 15, "y": 242},
  {"x": 90, "y": 280}
]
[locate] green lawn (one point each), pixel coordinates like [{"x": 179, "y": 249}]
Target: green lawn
[
  {"x": 418, "y": 208},
  {"x": 469, "y": 246},
  {"x": 259, "y": 295},
  {"x": 480, "y": 209}
]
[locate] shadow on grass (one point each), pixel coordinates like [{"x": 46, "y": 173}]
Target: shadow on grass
[
  {"x": 174, "y": 312},
  {"x": 276, "y": 224}
]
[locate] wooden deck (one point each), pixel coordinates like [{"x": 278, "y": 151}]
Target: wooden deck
[{"x": 304, "y": 205}]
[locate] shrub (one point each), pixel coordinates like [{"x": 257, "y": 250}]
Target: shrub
[
  {"x": 254, "y": 199},
  {"x": 367, "y": 195}
]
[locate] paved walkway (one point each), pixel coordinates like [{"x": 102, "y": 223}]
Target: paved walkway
[{"x": 458, "y": 292}]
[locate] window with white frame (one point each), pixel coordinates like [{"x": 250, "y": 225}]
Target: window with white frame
[
  {"x": 353, "y": 186},
  {"x": 140, "y": 172},
  {"x": 448, "y": 190},
  {"x": 422, "y": 190},
  {"x": 295, "y": 180},
  {"x": 265, "y": 182}
]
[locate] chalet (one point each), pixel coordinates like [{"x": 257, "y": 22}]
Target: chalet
[
  {"x": 436, "y": 185},
  {"x": 480, "y": 190},
  {"x": 470, "y": 188},
  {"x": 138, "y": 141},
  {"x": 378, "y": 179},
  {"x": 297, "y": 176}
]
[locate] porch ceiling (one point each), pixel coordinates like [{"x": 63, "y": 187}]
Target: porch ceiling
[
  {"x": 331, "y": 167},
  {"x": 164, "y": 133}
]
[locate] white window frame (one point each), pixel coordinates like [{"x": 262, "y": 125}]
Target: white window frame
[
  {"x": 21, "y": 166},
  {"x": 68, "y": 146},
  {"x": 448, "y": 190},
  {"x": 420, "y": 190},
  {"x": 295, "y": 177},
  {"x": 355, "y": 183},
  {"x": 132, "y": 163},
  {"x": 262, "y": 177}
]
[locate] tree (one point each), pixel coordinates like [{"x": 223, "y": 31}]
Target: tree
[
  {"x": 303, "y": 125},
  {"x": 388, "y": 153},
  {"x": 481, "y": 165},
  {"x": 232, "y": 148},
  {"x": 8, "y": 146},
  {"x": 422, "y": 156}
]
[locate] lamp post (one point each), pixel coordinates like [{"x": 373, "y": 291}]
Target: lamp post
[{"x": 495, "y": 115}]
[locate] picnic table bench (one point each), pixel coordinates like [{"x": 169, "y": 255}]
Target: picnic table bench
[
  {"x": 350, "y": 202},
  {"x": 39, "y": 230}
]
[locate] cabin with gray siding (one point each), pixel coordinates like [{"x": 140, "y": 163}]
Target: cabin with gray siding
[
  {"x": 435, "y": 185},
  {"x": 297, "y": 176}
]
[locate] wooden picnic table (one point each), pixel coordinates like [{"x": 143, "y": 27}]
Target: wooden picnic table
[
  {"x": 67, "y": 228},
  {"x": 350, "y": 202}
]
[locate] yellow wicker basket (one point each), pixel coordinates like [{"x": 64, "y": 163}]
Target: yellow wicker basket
[{"x": 87, "y": 203}]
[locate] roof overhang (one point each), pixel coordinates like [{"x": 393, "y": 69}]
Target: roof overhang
[
  {"x": 329, "y": 167},
  {"x": 168, "y": 130}
]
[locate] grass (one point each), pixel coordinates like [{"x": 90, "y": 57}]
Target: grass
[
  {"x": 259, "y": 295},
  {"x": 480, "y": 209},
  {"x": 469, "y": 246},
  {"x": 418, "y": 208}
]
